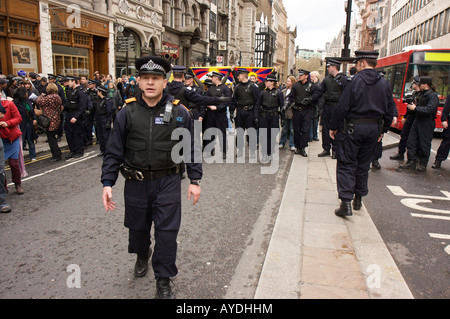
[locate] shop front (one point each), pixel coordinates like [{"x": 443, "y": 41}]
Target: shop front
[
  {"x": 80, "y": 45},
  {"x": 19, "y": 36}
]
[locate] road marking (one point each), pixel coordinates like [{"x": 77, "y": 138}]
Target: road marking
[
  {"x": 439, "y": 236},
  {"x": 413, "y": 203},
  {"x": 430, "y": 216},
  {"x": 398, "y": 191},
  {"x": 81, "y": 159}
]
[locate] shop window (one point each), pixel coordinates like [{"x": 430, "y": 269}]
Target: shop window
[
  {"x": 24, "y": 29},
  {"x": 81, "y": 39},
  {"x": 70, "y": 64},
  {"x": 61, "y": 37}
]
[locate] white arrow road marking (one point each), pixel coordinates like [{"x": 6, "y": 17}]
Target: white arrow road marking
[
  {"x": 398, "y": 191},
  {"x": 412, "y": 203}
]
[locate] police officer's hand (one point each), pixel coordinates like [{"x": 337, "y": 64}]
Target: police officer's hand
[
  {"x": 73, "y": 120},
  {"x": 212, "y": 107},
  {"x": 195, "y": 191},
  {"x": 394, "y": 121},
  {"x": 412, "y": 107},
  {"x": 445, "y": 125},
  {"x": 107, "y": 196},
  {"x": 200, "y": 118},
  {"x": 333, "y": 134}
]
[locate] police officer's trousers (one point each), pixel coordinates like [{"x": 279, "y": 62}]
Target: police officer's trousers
[
  {"x": 406, "y": 129},
  {"x": 327, "y": 142},
  {"x": 74, "y": 135},
  {"x": 156, "y": 202},
  {"x": 218, "y": 120},
  {"x": 442, "y": 152},
  {"x": 420, "y": 138},
  {"x": 244, "y": 120},
  {"x": 354, "y": 154},
  {"x": 103, "y": 129},
  {"x": 267, "y": 136},
  {"x": 301, "y": 122}
]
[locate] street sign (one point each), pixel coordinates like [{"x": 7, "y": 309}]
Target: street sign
[{"x": 219, "y": 59}]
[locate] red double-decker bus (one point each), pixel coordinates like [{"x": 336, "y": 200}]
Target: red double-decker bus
[{"x": 400, "y": 69}]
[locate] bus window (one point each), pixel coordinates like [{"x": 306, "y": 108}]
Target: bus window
[
  {"x": 399, "y": 75},
  {"x": 412, "y": 72},
  {"x": 388, "y": 75},
  {"x": 440, "y": 75}
]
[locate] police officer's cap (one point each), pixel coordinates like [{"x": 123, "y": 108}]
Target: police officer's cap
[
  {"x": 51, "y": 76},
  {"x": 331, "y": 62},
  {"x": 426, "y": 80},
  {"x": 208, "y": 82},
  {"x": 416, "y": 80},
  {"x": 366, "y": 55},
  {"x": 3, "y": 81},
  {"x": 71, "y": 77},
  {"x": 303, "y": 71},
  {"x": 102, "y": 89},
  {"x": 179, "y": 69},
  {"x": 152, "y": 65},
  {"x": 92, "y": 82},
  {"x": 218, "y": 74},
  {"x": 271, "y": 77},
  {"x": 189, "y": 74},
  {"x": 243, "y": 71}
]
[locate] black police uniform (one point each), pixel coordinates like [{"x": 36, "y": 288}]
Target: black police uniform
[
  {"x": 243, "y": 101},
  {"x": 218, "y": 119},
  {"x": 443, "y": 150},
  {"x": 140, "y": 146},
  {"x": 77, "y": 103},
  {"x": 88, "y": 121},
  {"x": 267, "y": 109},
  {"x": 421, "y": 135},
  {"x": 103, "y": 114},
  {"x": 331, "y": 88},
  {"x": 365, "y": 110},
  {"x": 304, "y": 95}
]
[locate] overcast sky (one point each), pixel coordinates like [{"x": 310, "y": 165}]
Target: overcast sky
[{"x": 318, "y": 21}]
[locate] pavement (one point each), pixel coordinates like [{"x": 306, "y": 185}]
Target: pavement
[{"x": 313, "y": 254}]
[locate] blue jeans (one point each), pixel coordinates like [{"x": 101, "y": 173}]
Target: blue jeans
[
  {"x": 27, "y": 136},
  {"x": 2, "y": 177},
  {"x": 287, "y": 127}
]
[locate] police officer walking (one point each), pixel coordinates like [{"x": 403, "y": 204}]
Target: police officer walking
[
  {"x": 442, "y": 152},
  {"x": 421, "y": 135},
  {"x": 243, "y": 101},
  {"x": 365, "y": 111},
  {"x": 331, "y": 87},
  {"x": 304, "y": 94},
  {"x": 140, "y": 147},
  {"x": 88, "y": 122},
  {"x": 77, "y": 103},
  {"x": 216, "y": 114},
  {"x": 103, "y": 114},
  {"x": 267, "y": 110}
]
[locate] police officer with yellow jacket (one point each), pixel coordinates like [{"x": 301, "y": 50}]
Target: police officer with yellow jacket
[{"x": 140, "y": 148}]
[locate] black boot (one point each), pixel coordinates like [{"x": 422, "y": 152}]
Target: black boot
[
  {"x": 301, "y": 151},
  {"x": 376, "y": 164},
  {"x": 410, "y": 164},
  {"x": 141, "y": 266},
  {"x": 324, "y": 153},
  {"x": 163, "y": 290},
  {"x": 437, "y": 164},
  {"x": 357, "y": 204},
  {"x": 422, "y": 167},
  {"x": 344, "y": 210},
  {"x": 398, "y": 157}
]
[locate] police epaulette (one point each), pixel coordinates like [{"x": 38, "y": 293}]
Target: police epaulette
[{"x": 131, "y": 99}]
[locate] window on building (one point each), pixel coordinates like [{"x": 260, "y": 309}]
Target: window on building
[
  {"x": 172, "y": 14},
  {"x": 183, "y": 14},
  {"x": 213, "y": 22}
]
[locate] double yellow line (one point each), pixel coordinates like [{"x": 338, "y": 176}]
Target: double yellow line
[{"x": 38, "y": 159}]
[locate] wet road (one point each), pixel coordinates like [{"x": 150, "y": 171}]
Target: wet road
[
  {"x": 59, "y": 229},
  {"x": 412, "y": 213}
]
